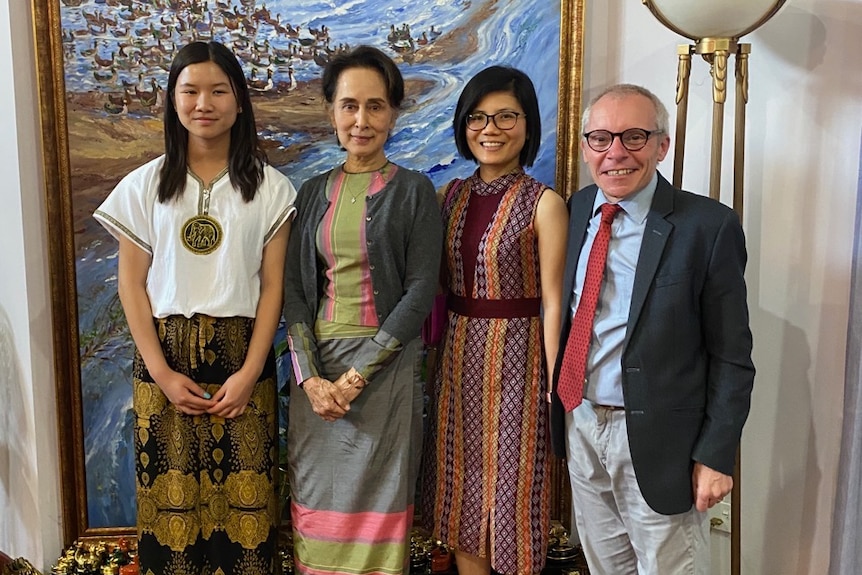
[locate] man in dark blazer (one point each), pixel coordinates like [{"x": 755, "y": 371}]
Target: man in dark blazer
[{"x": 668, "y": 372}]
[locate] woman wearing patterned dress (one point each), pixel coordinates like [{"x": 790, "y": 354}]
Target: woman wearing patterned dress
[
  {"x": 365, "y": 248},
  {"x": 203, "y": 231},
  {"x": 487, "y": 456}
]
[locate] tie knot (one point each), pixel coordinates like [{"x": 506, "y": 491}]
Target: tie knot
[{"x": 609, "y": 212}]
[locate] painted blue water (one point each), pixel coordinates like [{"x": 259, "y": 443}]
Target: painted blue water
[{"x": 521, "y": 33}]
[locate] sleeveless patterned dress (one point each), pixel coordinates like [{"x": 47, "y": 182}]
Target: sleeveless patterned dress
[{"x": 487, "y": 452}]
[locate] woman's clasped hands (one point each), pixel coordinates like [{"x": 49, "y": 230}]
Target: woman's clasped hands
[
  {"x": 331, "y": 399},
  {"x": 190, "y": 398}
]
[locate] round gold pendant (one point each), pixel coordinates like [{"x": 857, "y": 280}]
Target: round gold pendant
[{"x": 201, "y": 234}]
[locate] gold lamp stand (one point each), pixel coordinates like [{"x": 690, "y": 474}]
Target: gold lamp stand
[
  {"x": 715, "y": 27},
  {"x": 716, "y": 51}
]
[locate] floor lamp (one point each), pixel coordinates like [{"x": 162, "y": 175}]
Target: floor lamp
[{"x": 715, "y": 27}]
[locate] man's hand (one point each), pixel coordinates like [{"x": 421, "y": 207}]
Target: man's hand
[
  {"x": 185, "y": 394},
  {"x": 327, "y": 400},
  {"x": 709, "y": 485}
]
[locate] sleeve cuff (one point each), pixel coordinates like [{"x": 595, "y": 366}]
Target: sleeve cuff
[
  {"x": 303, "y": 348},
  {"x": 377, "y": 353}
]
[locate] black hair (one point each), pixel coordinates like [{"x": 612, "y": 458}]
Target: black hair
[
  {"x": 365, "y": 57},
  {"x": 500, "y": 79},
  {"x": 246, "y": 158}
]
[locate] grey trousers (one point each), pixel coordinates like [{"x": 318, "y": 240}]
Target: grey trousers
[{"x": 620, "y": 533}]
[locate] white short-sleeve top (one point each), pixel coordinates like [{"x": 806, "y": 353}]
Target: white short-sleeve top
[{"x": 207, "y": 245}]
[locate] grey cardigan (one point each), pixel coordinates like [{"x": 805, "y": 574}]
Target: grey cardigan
[{"x": 404, "y": 235}]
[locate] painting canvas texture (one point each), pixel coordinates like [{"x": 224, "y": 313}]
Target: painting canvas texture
[{"x": 116, "y": 59}]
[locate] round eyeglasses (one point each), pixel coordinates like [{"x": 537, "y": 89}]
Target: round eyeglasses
[
  {"x": 503, "y": 120},
  {"x": 632, "y": 139}
]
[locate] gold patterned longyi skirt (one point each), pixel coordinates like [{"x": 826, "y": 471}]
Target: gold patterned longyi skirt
[{"x": 205, "y": 485}]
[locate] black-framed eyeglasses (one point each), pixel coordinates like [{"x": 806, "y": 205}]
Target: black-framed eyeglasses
[
  {"x": 632, "y": 139},
  {"x": 503, "y": 120}
]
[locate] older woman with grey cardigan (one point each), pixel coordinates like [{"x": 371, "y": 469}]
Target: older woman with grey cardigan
[{"x": 361, "y": 274}]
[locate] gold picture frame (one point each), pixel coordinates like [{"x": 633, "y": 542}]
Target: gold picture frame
[{"x": 61, "y": 214}]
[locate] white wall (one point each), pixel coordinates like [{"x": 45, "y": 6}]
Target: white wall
[
  {"x": 804, "y": 127},
  {"x": 29, "y": 486}
]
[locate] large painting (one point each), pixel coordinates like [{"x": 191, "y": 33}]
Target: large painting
[{"x": 103, "y": 68}]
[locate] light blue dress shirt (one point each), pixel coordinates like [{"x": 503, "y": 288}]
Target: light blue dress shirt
[{"x": 604, "y": 361}]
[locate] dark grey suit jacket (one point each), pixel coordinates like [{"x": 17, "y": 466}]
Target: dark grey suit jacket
[{"x": 686, "y": 363}]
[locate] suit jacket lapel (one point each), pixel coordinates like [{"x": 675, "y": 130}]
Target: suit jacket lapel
[{"x": 656, "y": 234}]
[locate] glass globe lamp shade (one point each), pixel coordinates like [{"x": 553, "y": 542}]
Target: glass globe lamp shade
[{"x": 713, "y": 18}]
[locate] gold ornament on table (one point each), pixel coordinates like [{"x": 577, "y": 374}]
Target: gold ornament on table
[
  {"x": 562, "y": 551},
  {"x": 19, "y": 566},
  {"x": 100, "y": 558},
  {"x": 428, "y": 555}
]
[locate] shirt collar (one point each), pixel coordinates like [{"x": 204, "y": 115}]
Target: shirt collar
[{"x": 637, "y": 205}]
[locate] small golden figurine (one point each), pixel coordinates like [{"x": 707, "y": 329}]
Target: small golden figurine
[{"x": 19, "y": 566}]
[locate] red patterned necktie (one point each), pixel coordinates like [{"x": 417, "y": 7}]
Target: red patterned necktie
[{"x": 572, "y": 371}]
